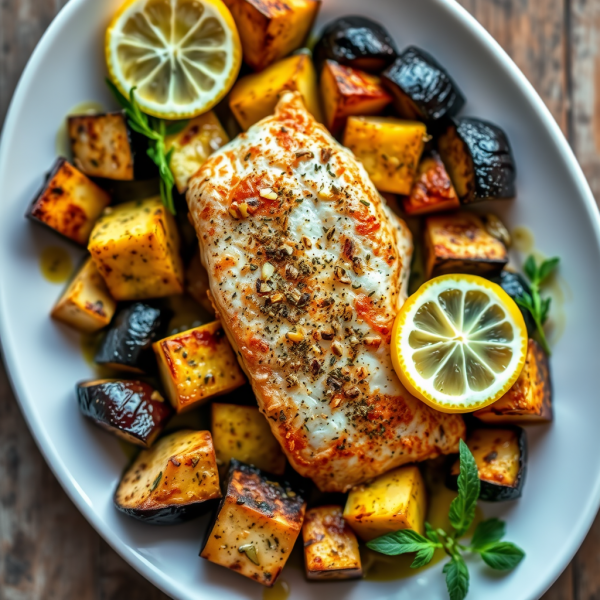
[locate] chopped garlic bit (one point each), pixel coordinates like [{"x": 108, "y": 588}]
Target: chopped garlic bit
[
  {"x": 267, "y": 271},
  {"x": 268, "y": 193},
  {"x": 295, "y": 336}
]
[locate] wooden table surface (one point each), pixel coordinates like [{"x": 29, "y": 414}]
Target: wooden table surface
[{"x": 47, "y": 549}]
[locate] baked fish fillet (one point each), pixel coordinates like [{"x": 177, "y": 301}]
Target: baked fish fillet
[{"x": 307, "y": 269}]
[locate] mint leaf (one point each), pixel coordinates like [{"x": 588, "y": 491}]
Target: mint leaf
[
  {"x": 432, "y": 534},
  {"x": 400, "y": 542},
  {"x": 546, "y": 269},
  {"x": 423, "y": 557},
  {"x": 487, "y": 532},
  {"x": 457, "y": 578},
  {"x": 530, "y": 269},
  {"x": 502, "y": 556},
  {"x": 462, "y": 508}
]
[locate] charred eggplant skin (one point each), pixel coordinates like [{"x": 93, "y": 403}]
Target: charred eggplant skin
[
  {"x": 515, "y": 285},
  {"x": 172, "y": 515},
  {"x": 357, "y": 42},
  {"x": 421, "y": 87},
  {"x": 132, "y": 410}
]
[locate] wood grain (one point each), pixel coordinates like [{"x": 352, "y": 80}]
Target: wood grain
[{"x": 47, "y": 550}]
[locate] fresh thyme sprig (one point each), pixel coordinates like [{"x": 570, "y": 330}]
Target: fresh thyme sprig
[
  {"x": 498, "y": 555},
  {"x": 538, "y": 307},
  {"x": 156, "y": 130}
]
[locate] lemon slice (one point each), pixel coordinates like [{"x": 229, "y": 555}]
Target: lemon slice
[
  {"x": 183, "y": 56},
  {"x": 459, "y": 343}
]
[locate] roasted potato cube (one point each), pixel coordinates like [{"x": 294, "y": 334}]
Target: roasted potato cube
[
  {"x": 330, "y": 546},
  {"x": 459, "y": 243},
  {"x": 256, "y": 524},
  {"x": 175, "y": 480},
  {"x": 390, "y": 150},
  {"x": 272, "y": 29},
  {"x": 254, "y": 97},
  {"x": 197, "y": 286},
  {"x": 196, "y": 365},
  {"x": 433, "y": 190},
  {"x": 101, "y": 145},
  {"x": 191, "y": 147},
  {"x": 243, "y": 433},
  {"x": 395, "y": 500},
  {"x": 86, "y": 304},
  {"x": 529, "y": 400},
  {"x": 69, "y": 203},
  {"x": 136, "y": 249},
  {"x": 347, "y": 91}
]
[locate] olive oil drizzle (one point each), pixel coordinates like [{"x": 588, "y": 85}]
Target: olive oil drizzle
[
  {"x": 280, "y": 591},
  {"x": 55, "y": 264}
]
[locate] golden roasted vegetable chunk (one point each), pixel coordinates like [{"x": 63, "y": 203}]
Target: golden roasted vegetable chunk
[
  {"x": 347, "y": 91},
  {"x": 460, "y": 243},
  {"x": 69, "y": 203},
  {"x": 196, "y": 365},
  {"x": 242, "y": 432},
  {"x": 256, "y": 525},
  {"x": 86, "y": 304},
  {"x": 191, "y": 147},
  {"x": 529, "y": 400},
  {"x": 254, "y": 97},
  {"x": 395, "y": 500},
  {"x": 330, "y": 546},
  {"x": 136, "y": 249},
  {"x": 171, "y": 482},
  {"x": 101, "y": 145},
  {"x": 272, "y": 29},
  {"x": 390, "y": 150}
]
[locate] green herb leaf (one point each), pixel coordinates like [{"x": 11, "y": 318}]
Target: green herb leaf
[
  {"x": 546, "y": 269},
  {"x": 423, "y": 557},
  {"x": 462, "y": 508},
  {"x": 487, "y": 532},
  {"x": 457, "y": 578},
  {"x": 530, "y": 269},
  {"x": 156, "y": 482},
  {"x": 502, "y": 556},
  {"x": 176, "y": 127},
  {"x": 400, "y": 542},
  {"x": 432, "y": 534}
]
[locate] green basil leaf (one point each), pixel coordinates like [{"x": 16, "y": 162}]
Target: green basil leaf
[
  {"x": 399, "y": 542},
  {"x": 457, "y": 578},
  {"x": 423, "y": 557},
  {"x": 546, "y": 269},
  {"x": 462, "y": 508},
  {"x": 502, "y": 556},
  {"x": 530, "y": 269},
  {"x": 487, "y": 532}
]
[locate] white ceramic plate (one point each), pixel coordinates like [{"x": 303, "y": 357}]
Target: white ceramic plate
[{"x": 562, "y": 491}]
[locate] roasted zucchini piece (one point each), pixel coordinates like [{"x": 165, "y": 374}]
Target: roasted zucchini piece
[
  {"x": 197, "y": 286},
  {"x": 175, "y": 480},
  {"x": 272, "y": 29},
  {"x": 128, "y": 342},
  {"x": 330, "y": 546},
  {"x": 459, "y": 243},
  {"x": 347, "y": 91},
  {"x": 433, "y": 190},
  {"x": 131, "y": 410},
  {"x": 356, "y": 42},
  {"x": 256, "y": 524},
  {"x": 86, "y": 304},
  {"x": 196, "y": 365},
  {"x": 390, "y": 150},
  {"x": 136, "y": 249},
  {"x": 101, "y": 145},
  {"x": 191, "y": 147},
  {"x": 479, "y": 160},
  {"x": 515, "y": 285},
  {"x": 69, "y": 203},
  {"x": 243, "y": 433},
  {"x": 255, "y": 96},
  {"x": 501, "y": 457},
  {"x": 421, "y": 87},
  {"x": 529, "y": 400},
  {"x": 395, "y": 500}
]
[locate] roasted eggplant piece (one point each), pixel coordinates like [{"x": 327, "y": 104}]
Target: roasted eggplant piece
[
  {"x": 389, "y": 149},
  {"x": 86, "y": 304},
  {"x": 330, "y": 546},
  {"x": 395, "y": 500},
  {"x": 256, "y": 525},
  {"x": 243, "y": 433},
  {"x": 197, "y": 365},
  {"x": 515, "y": 285},
  {"x": 175, "y": 480},
  {"x": 421, "y": 87},
  {"x": 131, "y": 410},
  {"x": 433, "y": 190},
  {"x": 529, "y": 401},
  {"x": 479, "y": 160},
  {"x": 128, "y": 342},
  {"x": 357, "y": 42},
  {"x": 459, "y": 243},
  {"x": 501, "y": 458},
  {"x": 136, "y": 249},
  {"x": 69, "y": 203},
  {"x": 347, "y": 91}
]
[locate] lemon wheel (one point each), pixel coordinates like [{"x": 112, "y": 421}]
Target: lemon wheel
[
  {"x": 459, "y": 343},
  {"x": 182, "y": 56}
]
